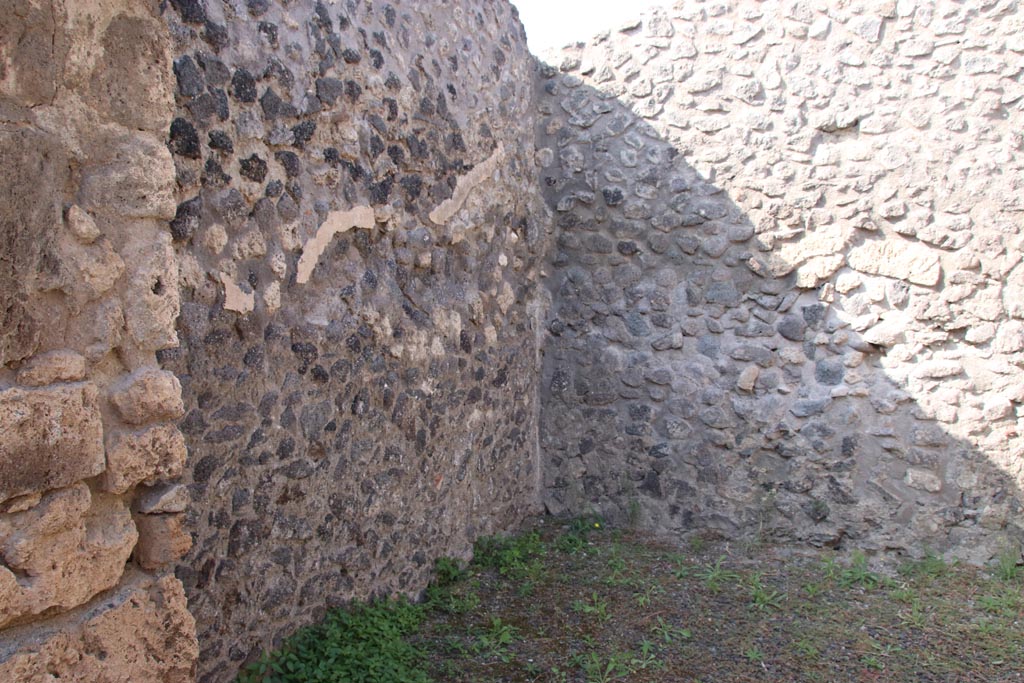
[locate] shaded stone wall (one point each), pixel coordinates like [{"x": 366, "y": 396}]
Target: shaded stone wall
[
  {"x": 88, "y": 294},
  {"x": 359, "y": 237},
  {"x": 788, "y": 275}
]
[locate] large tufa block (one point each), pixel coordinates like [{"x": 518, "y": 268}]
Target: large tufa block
[
  {"x": 49, "y": 438},
  {"x": 148, "y": 395},
  {"x": 142, "y": 632},
  {"x": 60, "y": 553},
  {"x": 163, "y": 539},
  {"x": 147, "y": 456}
]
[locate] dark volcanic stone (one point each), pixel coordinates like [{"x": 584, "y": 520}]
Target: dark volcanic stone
[
  {"x": 290, "y": 162},
  {"x": 792, "y": 327},
  {"x": 186, "y": 219},
  {"x": 303, "y": 132},
  {"x": 184, "y": 140},
  {"x": 813, "y": 314},
  {"x": 191, "y": 11},
  {"x": 254, "y": 168},
  {"x": 257, "y": 8},
  {"x": 612, "y": 196},
  {"x": 829, "y": 371},
  {"x": 243, "y": 86},
  {"x": 328, "y": 90},
  {"x": 221, "y": 141},
  {"x": 216, "y": 36},
  {"x": 190, "y": 78}
]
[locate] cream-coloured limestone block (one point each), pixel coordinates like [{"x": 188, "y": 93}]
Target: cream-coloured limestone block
[
  {"x": 147, "y": 456},
  {"x": 65, "y": 550},
  {"x": 748, "y": 378},
  {"x": 137, "y": 182},
  {"x": 336, "y": 222},
  {"x": 49, "y": 438},
  {"x": 825, "y": 241},
  {"x": 163, "y": 539},
  {"x": 923, "y": 480},
  {"x": 150, "y": 298},
  {"x": 148, "y": 395},
  {"x": 55, "y": 366},
  {"x": 142, "y": 632},
  {"x": 898, "y": 259}
]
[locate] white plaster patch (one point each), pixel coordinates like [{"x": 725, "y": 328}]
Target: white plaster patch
[
  {"x": 234, "y": 298},
  {"x": 446, "y": 209},
  {"x": 337, "y": 221}
]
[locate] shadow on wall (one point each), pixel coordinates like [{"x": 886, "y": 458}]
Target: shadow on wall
[{"x": 783, "y": 292}]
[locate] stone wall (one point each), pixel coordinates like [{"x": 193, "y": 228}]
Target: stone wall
[
  {"x": 88, "y": 294},
  {"x": 272, "y": 302},
  {"x": 360, "y": 240},
  {"x": 788, "y": 274}
]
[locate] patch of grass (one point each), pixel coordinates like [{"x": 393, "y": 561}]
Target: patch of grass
[
  {"x": 345, "y": 646},
  {"x": 1009, "y": 566},
  {"x": 619, "y": 607}
]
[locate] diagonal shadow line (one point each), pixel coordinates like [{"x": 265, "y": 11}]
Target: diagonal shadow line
[{"x": 722, "y": 359}]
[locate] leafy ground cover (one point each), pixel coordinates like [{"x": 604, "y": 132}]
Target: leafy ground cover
[{"x": 578, "y": 603}]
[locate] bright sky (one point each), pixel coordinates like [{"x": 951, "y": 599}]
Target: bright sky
[{"x": 554, "y": 23}]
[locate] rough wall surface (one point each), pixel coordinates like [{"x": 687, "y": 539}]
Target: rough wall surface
[
  {"x": 788, "y": 274},
  {"x": 359, "y": 236},
  {"x": 88, "y": 294}
]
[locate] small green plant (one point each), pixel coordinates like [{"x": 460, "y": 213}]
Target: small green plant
[
  {"x": 646, "y": 595},
  {"x": 697, "y": 544},
  {"x": 598, "y": 669},
  {"x": 716, "y": 575},
  {"x": 904, "y": 594},
  {"x": 872, "y": 662},
  {"x": 830, "y": 568},
  {"x": 594, "y": 606},
  {"x": 447, "y": 571},
  {"x": 574, "y": 539},
  {"x": 617, "y": 571},
  {"x": 806, "y": 648},
  {"x": 813, "y": 589},
  {"x": 753, "y": 654},
  {"x": 495, "y": 640},
  {"x": 646, "y": 659},
  {"x": 670, "y": 633},
  {"x": 763, "y": 597},
  {"x": 915, "y": 616},
  {"x": 681, "y": 569},
  {"x": 858, "y": 574}
]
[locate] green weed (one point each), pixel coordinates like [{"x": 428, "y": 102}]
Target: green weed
[{"x": 716, "y": 575}]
